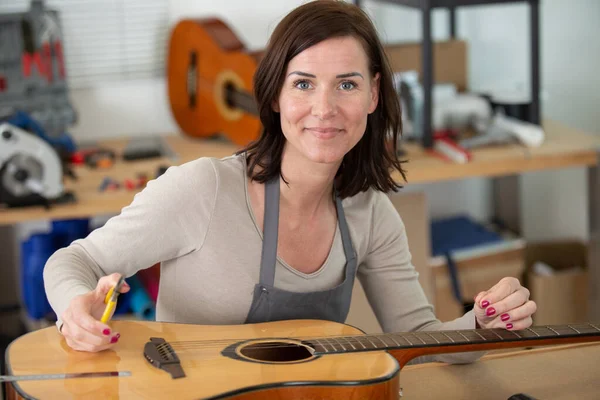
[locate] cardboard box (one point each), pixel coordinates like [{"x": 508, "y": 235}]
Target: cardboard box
[
  {"x": 477, "y": 271},
  {"x": 449, "y": 66},
  {"x": 562, "y": 297},
  {"x": 413, "y": 210}
]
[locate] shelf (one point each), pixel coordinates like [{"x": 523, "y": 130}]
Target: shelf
[
  {"x": 426, "y": 7},
  {"x": 564, "y": 147}
]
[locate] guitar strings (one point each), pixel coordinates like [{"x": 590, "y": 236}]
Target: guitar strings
[{"x": 476, "y": 335}]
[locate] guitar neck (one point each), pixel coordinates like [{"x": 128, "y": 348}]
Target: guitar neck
[
  {"x": 408, "y": 345},
  {"x": 237, "y": 98}
]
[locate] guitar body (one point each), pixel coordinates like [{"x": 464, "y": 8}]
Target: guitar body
[
  {"x": 208, "y": 373},
  {"x": 205, "y": 58}
]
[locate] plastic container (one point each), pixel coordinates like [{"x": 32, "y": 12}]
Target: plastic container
[
  {"x": 66, "y": 231},
  {"x": 35, "y": 251}
]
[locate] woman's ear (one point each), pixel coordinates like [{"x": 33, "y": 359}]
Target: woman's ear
[
  {"x": 275, "y": 106},
  {"x": 374, "y": 93}
]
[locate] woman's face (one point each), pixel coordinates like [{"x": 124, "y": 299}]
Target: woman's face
[{"x": 326, "y": 97}]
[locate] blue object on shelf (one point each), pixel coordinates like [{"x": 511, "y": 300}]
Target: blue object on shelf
[
  {"x": 66, "y": 231},
  {"x": 458, "y": 233},
  {"x": 35, "y": 251}
]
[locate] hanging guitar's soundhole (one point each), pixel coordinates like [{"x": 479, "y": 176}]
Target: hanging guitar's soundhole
[{"x": 273, "y": 351}]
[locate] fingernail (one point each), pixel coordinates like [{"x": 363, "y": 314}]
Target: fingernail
[
  {"x": 118, "y": 335},
  {"x": 490, "y": 311},
  {"x": 505, "y": 317},
  {"x": 485, "y": 303},
  {"x": 106, "y": 332},
  {"x": 509, "y": 326},
  {"x": 114, "y": 339}
]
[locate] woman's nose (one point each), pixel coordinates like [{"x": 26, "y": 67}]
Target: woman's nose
[{"x": 324, "y": 105}]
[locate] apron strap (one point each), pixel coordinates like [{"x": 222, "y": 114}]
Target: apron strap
[
  {"x": 270, "y": 228},
  {"x": 346, "y": 240}
]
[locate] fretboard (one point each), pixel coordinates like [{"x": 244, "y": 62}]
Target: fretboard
[
  {"x": 241, "y": 99},
  {"x": 405, "y": 340}
]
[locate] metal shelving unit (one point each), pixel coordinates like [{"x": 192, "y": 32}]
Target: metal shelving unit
[{"x": 426, "y": 7}]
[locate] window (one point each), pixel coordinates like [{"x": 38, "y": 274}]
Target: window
[{"x": 108, "y": 40}]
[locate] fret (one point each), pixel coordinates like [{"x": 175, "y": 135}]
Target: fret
[
  {"x": 370, "y": 341},
  {"x": 553, "y": 330},
  {"x": 381, "y": 340},
  {"x": 394, "y": 340},
  {"x": 328, "y": 344},
  {"x": 573, "y": 329},
  {"x": 496, "y": 333},
  {"x": 595, "y": 327},
  {"x": 478, "y": 334},
  {"x": 389, "y": 342},
  {"x": 350, "y": 343},
  {"x": 403, "y": 341},
  {"x": 409, "y": 342},
  {"x": 336, "y": 340},
  {"x": 516, "y": 333},
  {"x": 466, "y": 338},
  {"x": 543, "y": 330},
  {"x": 425, "y": 338},
  {"x": 528, "y": 333},
  {"x": 417, "y": 336},
  {"x": 444, "y": 333},
  {"x": 357, "y": 339},
  {"x": 531, "y": 330},
  {"x": 437, "y": 341},
  {"x": 360, "y": 341},
  {"x": 319, "y": 348},
  {"x": 456, "y": 337}
]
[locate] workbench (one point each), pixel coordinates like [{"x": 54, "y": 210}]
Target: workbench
[
  {"x": 564, "y": 147},
  {"x": 556, "y": 372}
]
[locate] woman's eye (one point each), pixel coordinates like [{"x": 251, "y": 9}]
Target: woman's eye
[
  {"x": 303, "y": 85},
  {"x": 348, "y": 85}
]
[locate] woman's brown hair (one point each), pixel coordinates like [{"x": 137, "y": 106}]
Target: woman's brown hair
[{"x": 370, "y": 163}]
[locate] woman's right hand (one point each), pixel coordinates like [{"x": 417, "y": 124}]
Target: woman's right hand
[{"x": 81, "y": 327}]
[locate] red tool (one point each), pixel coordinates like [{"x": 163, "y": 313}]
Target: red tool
[{"x": 444, "y": 144}]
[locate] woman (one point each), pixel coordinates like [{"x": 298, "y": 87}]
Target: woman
[{"x": 281, "y": 229}]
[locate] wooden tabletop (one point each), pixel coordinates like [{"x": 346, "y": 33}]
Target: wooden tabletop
[
  {"x": 564, "y": 147},
  {"x": 557, "y": 372}
]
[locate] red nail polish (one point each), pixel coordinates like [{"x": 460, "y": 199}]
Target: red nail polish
[
  {"x": 106, "y": 332},
  {"x": 490, "y": 311},
  {"x": 114, "y": 339},
  {"x": 505, "y": 317},
  {"x": 485, "y": 303},
  {"x": 509, "y": 326}
]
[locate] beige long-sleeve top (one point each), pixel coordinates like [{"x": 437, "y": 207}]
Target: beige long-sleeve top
[{"x": 196, "y": 220}]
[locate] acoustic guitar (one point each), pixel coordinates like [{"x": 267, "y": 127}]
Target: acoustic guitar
[
  {"x": 209, "y": 79},
  {"x": 298, "y": 359}
]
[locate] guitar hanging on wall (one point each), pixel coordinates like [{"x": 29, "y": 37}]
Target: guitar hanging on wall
[{"x": 209, "y": 79}]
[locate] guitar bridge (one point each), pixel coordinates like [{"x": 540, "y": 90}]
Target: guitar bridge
[{"x": 161, "y": 355}]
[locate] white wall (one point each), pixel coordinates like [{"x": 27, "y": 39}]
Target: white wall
[{"x": 498, "y": 55}]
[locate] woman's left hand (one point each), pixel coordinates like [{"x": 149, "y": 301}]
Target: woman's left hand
[{"x": 506, "y": 305}]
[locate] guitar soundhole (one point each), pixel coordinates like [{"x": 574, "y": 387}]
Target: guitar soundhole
[
  {"x": 230, "y": 91},
  {"x": 276, "y": 352}
]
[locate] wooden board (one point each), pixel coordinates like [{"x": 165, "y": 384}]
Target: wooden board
[
  {"x": 564, "y": 147},
  {"x": 558, "y": 373}
]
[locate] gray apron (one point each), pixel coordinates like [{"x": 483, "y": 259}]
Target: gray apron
[{"x": 272, "y": 304}]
